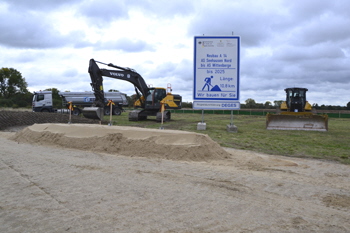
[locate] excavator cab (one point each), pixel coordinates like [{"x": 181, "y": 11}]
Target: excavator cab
[
  {"x": 155, "y": 96},
  {"x": 296, "y": 114}
]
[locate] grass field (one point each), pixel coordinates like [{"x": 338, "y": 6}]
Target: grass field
[{"x": 332, "y": 145}]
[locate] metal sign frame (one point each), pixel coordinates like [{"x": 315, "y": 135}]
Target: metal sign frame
[{"x": 216, "y": 72}]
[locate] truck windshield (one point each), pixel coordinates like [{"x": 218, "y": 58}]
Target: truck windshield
[{"x": 38, "y": 97}]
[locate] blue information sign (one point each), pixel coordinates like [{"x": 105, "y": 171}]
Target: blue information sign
[{"x": 216, "y": 72}]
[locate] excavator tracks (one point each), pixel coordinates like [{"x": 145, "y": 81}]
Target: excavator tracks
[{"x": 166, "y": 115}]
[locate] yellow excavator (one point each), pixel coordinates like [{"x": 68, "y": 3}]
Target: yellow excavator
[
  {"x": 296, "y": 114},
  {"x": 152, "y": 101}
]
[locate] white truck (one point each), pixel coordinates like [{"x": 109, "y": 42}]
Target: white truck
[{"x": 42, "y": 101}]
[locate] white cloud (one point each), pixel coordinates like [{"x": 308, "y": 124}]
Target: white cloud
[{"x": 284, "y": 43}]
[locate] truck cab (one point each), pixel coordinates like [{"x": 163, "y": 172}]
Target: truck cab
[{"x": 42, "y": 102}]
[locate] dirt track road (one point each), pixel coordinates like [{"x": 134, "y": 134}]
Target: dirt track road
[{"x": 51, "y": 189}]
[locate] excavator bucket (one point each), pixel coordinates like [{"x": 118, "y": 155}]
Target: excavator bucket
[
  {"x": 93, "y": 113},
  {"x": 290, "y": 121}
]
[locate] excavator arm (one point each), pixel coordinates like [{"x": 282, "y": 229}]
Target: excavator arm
[
  {"x": 96, "y": 75},
  {"x": 127, "y": 74},
  {"x": 96, "y": 84}
]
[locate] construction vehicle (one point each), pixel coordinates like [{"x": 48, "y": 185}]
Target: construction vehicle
[
  {"x": 296, "y": 114},
  {"x": 42, "y": 101},
  {"x": 151, "y": 100}
]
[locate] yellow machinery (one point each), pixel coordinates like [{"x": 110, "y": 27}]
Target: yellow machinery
[
  {"x": 151, "y": 100},
  {"x": 296, "y": 114}
]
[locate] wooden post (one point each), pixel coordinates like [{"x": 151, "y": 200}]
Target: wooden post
[
  {"x": 162, "y": 109},
  {"x": 110, "y": 104},
  {"x": 70, "y": 112}
]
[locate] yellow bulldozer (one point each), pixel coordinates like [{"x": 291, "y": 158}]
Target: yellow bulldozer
[{"x": 296, "y": 114}]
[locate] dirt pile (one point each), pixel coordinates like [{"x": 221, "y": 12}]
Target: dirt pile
[{"x": 130, "y": 141}]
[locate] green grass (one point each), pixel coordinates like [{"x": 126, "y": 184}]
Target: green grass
[{"x": 333, "y": 145}]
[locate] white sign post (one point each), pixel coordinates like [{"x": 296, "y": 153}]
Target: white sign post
[{"x": 216, "y": 72}]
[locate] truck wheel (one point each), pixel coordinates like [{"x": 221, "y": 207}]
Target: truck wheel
[
  {"x": 106, "y": 111},
  {"x": 117, "y": 111},
  {"x": 76, "y": 112}
]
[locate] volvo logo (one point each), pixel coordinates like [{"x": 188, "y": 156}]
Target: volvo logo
[{"x": 116, "y": 74}]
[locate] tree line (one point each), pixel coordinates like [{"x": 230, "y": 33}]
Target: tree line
[
  {"x": 251, "y": 104},
  {"x": 14, "y": 93}
]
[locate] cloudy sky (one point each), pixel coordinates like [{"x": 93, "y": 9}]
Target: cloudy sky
[{"x": 283, "y": 43}]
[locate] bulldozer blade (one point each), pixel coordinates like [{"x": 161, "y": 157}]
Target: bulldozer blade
[
  {"x": 297, "y": 122},
  {"x": 93, "y": 113}
]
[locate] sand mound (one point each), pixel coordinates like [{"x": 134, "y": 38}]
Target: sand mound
[{"x": 131, "y": 141}]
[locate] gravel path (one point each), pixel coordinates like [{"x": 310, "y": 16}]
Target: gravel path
[{"x": 56, "y": 189}]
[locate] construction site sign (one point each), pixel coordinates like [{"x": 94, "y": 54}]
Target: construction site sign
[{"x": 216, "y": 72}]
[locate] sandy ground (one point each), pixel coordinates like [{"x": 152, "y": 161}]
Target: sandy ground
[{"x": 47, "y": 184}]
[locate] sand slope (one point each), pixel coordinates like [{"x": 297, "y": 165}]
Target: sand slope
[{"x": 52, "y": 188}]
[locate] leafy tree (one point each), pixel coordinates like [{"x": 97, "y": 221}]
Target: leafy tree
[
  {"x": 13, "y": 89},
  {"x": 267, "y": 104},
  {"x": 132, "y": 100},
  {"x": 112, "y": 90},
  {"x": 348, "y": 106},
  {"x": 6, "y": 102},
  {"x": 259, "y": 105},
  {"x": 243, "y": 105},
  {"x": 250, "y": 103},
  {"x": 187, "y": 104},
  {"x": 277, "y": 103},
  {"x": 11, "y": 83},
  {"x": 22, "y": 100}
]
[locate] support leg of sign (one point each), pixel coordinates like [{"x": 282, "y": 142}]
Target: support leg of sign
[
  {"x": 202, "y": 115},
  {"x": 231, "y": 127},
  {"x": 202, "y": 125}
]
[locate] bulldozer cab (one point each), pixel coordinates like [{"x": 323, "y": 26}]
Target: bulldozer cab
[{"x": 296, "y": 99}]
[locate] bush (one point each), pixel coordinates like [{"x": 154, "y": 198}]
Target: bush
[{"x": 6, "y": 103}]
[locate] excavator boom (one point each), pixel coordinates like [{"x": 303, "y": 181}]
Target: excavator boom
[{"x": 96, "y": 75}]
